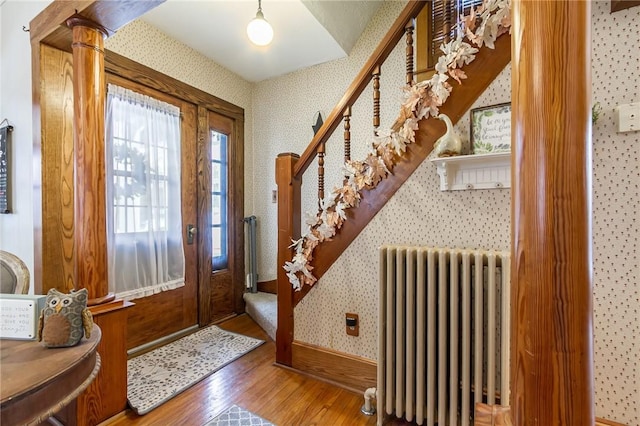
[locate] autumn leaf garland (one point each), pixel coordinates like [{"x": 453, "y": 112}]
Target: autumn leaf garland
[{"x": 481, "y": 27}]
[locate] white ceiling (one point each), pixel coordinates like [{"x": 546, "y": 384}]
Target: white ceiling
[{"x": 306, "y": 32}]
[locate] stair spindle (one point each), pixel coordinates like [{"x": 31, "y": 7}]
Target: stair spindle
[
  {"x": 409, "y": 52},
  {"x": 346, "y": 116},
  {"x": 376, "y": 99},
  {"x": 321, "y": 151}
]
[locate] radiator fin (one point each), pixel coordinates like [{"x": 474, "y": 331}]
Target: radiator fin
[{"x": 443, "y": 333}]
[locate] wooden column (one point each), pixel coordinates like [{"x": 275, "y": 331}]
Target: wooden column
[
  {"x": 288, "y": 229},
  {"x": 107, "y": 395},
  {"x": 89, "y": 92},
  {"x": 552, "y": 330}
]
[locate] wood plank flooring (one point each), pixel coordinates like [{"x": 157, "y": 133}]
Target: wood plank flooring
[{"x": 253, "y": 382}]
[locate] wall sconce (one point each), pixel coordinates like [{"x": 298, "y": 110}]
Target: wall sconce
[{"x": 259, "y": 30}]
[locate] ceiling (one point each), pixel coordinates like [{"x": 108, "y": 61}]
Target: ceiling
[{"x": 306, "y": 32}]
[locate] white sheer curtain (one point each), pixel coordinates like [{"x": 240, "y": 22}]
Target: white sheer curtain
[{"x": 144, "y": 221}]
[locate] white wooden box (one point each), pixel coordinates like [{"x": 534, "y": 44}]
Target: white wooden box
[{"x": 19, "y": 315}]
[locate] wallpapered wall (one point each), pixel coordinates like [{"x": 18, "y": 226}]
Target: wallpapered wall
[
  {"x": 420, "y": 214},
  {"x": 616, "y": 217},
  {"x": 284, "y": 108},
  {"x": 147, "y": 45}
]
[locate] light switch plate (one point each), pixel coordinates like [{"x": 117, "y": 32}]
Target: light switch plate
[{"x": 628, "y": 117}]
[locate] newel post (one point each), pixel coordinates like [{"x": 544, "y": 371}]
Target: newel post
[
  {"x": 552, "y": 313},
  {"x": 288, "y": 229},
  {"x": 89, "y": 93}
]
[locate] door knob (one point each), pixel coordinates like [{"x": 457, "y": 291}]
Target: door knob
[{"x": 192, "y": 230}]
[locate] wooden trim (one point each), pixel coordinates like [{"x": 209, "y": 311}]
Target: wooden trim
[
  {"x": 618, "y": 5},
  {"x": 552, "y": 380},
  {"x": 495, "y": 415},
  {"x": 481, "y": 72},
  {"x": 288, "y": 226},
  {"x": 149, "y": 77},
  {"x": 107, "y": 395},
  {"x": 236, "y": 205},
  {"x": 205, "y": 265},
  {"x": 268, "y": 286},
  {"x": 54, "y": 247},
  {"x": 361, "y": 81},
  {"x": 491, "y": 415},
  {"x": 423, "y": 37},
  {"x": 348, "y": 371},
  {"x": 48, "y": 26},
  {"x": 605, "y": 422}
]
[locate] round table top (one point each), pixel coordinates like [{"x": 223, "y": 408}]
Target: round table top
[{"x": 38, "y": 381}]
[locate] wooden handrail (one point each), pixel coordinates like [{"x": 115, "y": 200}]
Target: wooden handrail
[
  {"x": 361, "y": 81},
  {"x": 482, "y": 71}
]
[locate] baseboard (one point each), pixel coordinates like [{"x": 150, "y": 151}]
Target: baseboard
[
  {"x": 268, "y": 286},
  {"x": 348, "y": 371},
  {"x": 605, "y": 422}
]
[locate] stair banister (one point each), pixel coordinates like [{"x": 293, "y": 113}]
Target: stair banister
[
  {"x": 361, "y": 81},
  {"x": 290, "y": 168}
]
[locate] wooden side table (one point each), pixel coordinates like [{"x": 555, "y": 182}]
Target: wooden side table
[{"x": 36, "y": 382}]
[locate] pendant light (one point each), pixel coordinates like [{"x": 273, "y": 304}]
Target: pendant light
[{"x": 259, "y": 30}]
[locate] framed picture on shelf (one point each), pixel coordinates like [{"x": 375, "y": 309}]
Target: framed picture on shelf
[{"x": 491, "y": 129}]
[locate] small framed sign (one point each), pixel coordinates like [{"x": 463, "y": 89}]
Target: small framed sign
[
  {"x": 491, "y": 129},
  {"x": 19, "y": 316},
  {"x": 5, "y": 169}
]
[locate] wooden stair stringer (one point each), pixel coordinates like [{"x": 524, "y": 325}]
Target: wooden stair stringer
[{"x": 481, "y": 72}]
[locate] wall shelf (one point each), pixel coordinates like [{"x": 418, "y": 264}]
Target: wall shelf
[{"x": 479, "y": 171}]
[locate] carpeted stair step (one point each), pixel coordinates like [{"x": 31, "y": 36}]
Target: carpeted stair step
[{"x": 263, "y": 308}]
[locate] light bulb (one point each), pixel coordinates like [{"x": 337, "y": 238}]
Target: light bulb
[{"x": 259, "y": 30}]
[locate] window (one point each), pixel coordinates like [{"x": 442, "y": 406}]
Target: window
[
  {"x": 219, "y": 190},
  {"x": 442, "y": 22},
  {"x": 144, "y": 221},
  {"x": 140, "y": 191}
]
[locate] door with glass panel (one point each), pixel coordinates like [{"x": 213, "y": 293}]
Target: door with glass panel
[
  {"x": 223, "y": 220},
  {"x": 151, "y": 191}
]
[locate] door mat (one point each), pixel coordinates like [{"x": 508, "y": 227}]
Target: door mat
[
  {"x": 157, "y": 376},
  {"x": 237, "y": 416}
]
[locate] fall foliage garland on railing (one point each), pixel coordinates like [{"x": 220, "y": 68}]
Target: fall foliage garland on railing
[{"x": 481, "y": 27}]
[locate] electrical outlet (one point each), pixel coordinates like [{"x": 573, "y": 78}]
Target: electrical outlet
[
  {"x": 628, "y": 117},
  {"x": 352, "y": 324},
  {"x": 274, "y": 196}
]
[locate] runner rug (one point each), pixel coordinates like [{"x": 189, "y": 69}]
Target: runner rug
[
  {"x": 237, "y": 416},
  {"x": 157, "y": 376}
]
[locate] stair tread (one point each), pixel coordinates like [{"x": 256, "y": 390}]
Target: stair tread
[{"x": 263, "y": 308}]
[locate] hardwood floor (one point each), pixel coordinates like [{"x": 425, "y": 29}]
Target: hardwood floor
[
  {"x": 253, "y": 382},
  {"x": 256, "y": 384}
]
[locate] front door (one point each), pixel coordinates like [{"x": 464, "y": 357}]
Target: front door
[
  {"x": 159, "y": 315},
  {"x": 223, "y": 237}
]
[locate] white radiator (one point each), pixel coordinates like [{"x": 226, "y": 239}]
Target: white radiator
[{"x": 443, "y": 333}]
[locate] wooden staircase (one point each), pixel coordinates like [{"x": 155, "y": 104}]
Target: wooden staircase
[{"x": 291, "y": 167}]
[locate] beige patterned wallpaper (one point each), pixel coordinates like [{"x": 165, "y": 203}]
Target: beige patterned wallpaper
[
  {"x": 616, "y": 217},
  {"x": 279, "y": 115},
  {"x": 420, "y": 214},
  {"x": 147, "y": 45},
  {"x": 284, "y": 108}
]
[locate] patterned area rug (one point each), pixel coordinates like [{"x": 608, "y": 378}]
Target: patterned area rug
[
  {"x": 159, "y": 375},
  {"x": 238, "y": 416}
]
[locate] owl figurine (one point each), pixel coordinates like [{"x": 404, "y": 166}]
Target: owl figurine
[{"x": 64, "y": 319}]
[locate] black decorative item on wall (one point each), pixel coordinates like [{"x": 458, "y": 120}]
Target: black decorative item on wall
[
  {"x": 5, "y": 170},
  {"x": 318, "y": 122}
]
